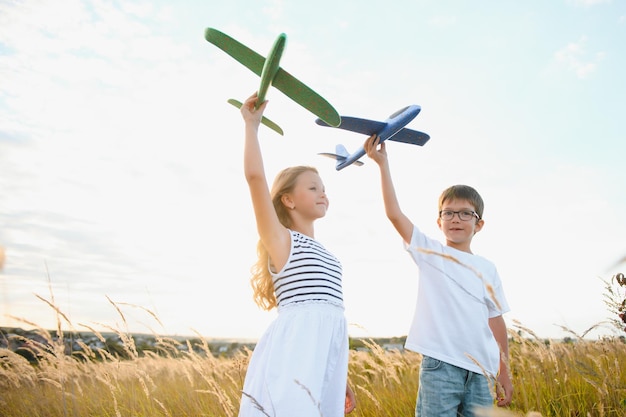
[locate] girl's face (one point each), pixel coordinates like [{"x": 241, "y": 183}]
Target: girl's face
[
  {"x": 459, "y": 233},
  {"x": 309, "y": 195}
]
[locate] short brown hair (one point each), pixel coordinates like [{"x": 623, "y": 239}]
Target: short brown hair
[{"x": 463, "y": 192}]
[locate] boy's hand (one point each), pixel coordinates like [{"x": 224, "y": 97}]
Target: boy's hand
[
  {"x": 371, "y": 146},
  {"x": 504, "y": 390}
]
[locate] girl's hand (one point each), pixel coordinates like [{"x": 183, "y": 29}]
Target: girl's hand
[
  {"x": 350, "y": 400},
  {"x": 250, "y": 114}
]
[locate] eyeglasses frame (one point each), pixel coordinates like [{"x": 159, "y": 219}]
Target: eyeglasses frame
[{"x": 458, "y": 213}]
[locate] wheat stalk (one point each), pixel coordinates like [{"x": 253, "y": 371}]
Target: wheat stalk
[{"x": 476, "y": 272}]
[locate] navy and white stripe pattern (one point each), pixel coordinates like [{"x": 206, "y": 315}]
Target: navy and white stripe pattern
[{"x": 311, "y": 274}]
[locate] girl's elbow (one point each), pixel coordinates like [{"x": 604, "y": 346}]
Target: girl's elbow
[{"x": 253, "y": 175}]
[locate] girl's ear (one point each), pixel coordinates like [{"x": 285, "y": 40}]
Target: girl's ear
[{"x": 287, "y": 202}]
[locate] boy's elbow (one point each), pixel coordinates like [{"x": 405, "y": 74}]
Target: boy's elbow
[{"x": 394, "y": 216}]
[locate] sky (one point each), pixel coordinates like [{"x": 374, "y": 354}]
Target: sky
[{"x": 122, "y": 197}]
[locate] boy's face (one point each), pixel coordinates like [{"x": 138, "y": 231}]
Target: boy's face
[{"x": 459, "y": 233}]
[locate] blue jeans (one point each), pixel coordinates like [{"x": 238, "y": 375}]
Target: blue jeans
[{"x": 449, "y": 391}]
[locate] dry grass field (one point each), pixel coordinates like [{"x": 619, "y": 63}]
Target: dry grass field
[
  {"x": 578, "y": 377},
  {"x": 581, "y": 378}
]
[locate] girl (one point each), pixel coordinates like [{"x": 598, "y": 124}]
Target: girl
[{"x": 299, "y": 367}]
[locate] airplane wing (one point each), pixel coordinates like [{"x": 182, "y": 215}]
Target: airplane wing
[
  {"x": 307, "y": 98},
  {"x": 237, "y": 50},
  {"x": 285, "y": 82},
  {"x": 267, "y": 122},
  {"x": 338, "y": 158},
  {"x": 412, "y": 137},
  {"x": 369, "y": 127},
  {"x": 355, "y": 124}
]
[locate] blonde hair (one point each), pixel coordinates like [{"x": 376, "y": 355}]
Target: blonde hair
[
  {"x": 261, "y": 280},
  {"x": 463, "y": 192}
]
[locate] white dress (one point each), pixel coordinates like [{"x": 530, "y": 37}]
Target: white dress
[{"x": 299, "y": 367}]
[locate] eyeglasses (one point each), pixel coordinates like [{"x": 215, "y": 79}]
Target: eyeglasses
[{"x": 464, "y": 215}]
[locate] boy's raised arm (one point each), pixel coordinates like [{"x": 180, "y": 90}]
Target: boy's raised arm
[{"x": 376, "y": 151}]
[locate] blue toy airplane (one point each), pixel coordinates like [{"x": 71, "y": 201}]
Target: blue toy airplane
[
  {"x": 392, "y": 129},
  {"x": 272, "y": 74}
]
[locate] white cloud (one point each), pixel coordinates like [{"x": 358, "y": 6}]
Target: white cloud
[
  {"x": 588, "y": 3},
  {"x": 443, "y": 21},
  {"x": 575, "y": 58}
]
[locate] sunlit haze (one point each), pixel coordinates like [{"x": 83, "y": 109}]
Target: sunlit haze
[{"x": 121, "y": 180}]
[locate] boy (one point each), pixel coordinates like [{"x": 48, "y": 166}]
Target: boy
[{"x": 458, "y": 326}]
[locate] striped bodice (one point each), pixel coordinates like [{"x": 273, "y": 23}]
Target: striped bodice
[{"x": 310, "y": 274}]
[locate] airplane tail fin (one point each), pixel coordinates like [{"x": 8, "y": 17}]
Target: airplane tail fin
[
  {"x": 340, "y": 155},
  {"x": 267, "y": 122},
  {"x": 341, "y": 150}
]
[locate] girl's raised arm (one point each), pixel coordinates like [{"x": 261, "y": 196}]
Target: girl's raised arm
[{"x": 273, "y": 235}]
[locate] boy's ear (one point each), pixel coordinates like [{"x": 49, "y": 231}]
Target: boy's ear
[
  {"x": 479, "y": 225},
  {"x": 439, "y": 222}
]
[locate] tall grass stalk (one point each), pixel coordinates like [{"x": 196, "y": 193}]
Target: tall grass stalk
[
  {"x": 577, "y": 378},
  {"x": 582, "y": 378}
]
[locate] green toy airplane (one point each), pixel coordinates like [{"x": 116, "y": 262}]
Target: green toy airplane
[{"x": 272, "y": 74}]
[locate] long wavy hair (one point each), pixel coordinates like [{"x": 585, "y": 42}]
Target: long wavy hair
[{"x": 261, "y": 280}]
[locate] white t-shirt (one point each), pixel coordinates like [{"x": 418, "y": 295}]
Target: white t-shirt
[{"x": 457, "y": 294}]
